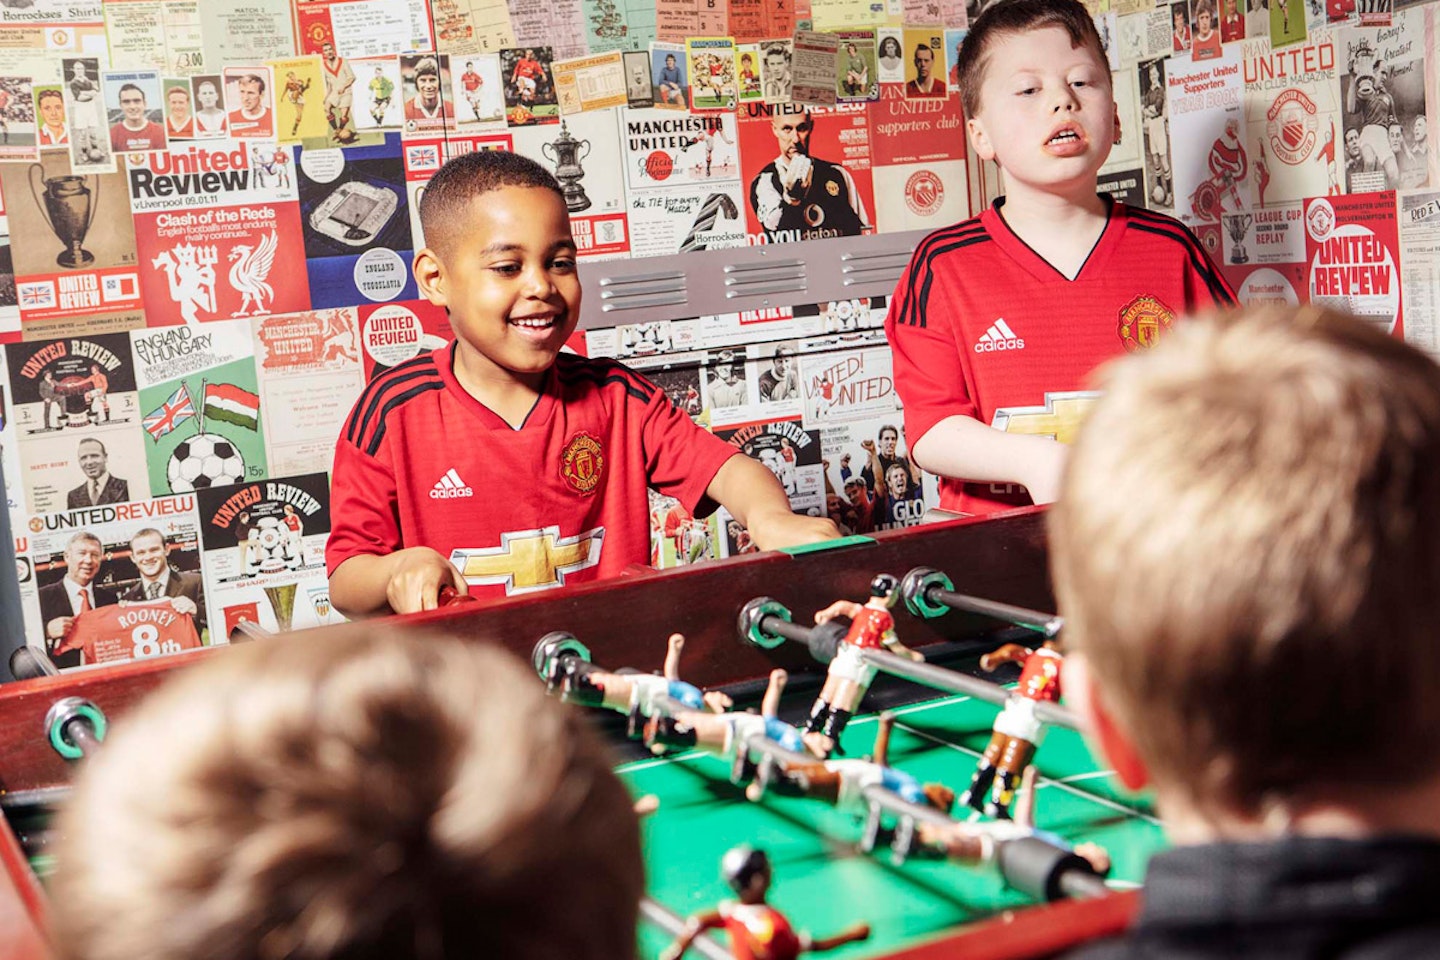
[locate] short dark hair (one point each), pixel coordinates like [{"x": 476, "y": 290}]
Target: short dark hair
[
  {"x": 1020, "y": 16},
  {"x": 131, "y": 86},
  {"x": 446, "y": 202},
  {"x": 44, "y": 95}
]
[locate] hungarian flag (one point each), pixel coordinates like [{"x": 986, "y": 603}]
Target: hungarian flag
[
  {"x": 225, "y": 401},
  {"x": 170, "y": 414}
]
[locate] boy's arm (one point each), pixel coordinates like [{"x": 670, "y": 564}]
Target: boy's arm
[
  {"x": 405, "y": 581},
  {"x": 755, "y": 498},
  {"x": 964, "y": 448}
]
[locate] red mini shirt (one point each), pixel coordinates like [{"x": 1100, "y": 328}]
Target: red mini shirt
[
  {"x": 1040, "y": 676},
  {"x": 982, "y": 326},
  {"x": 562, "y": 499},
  {"x": 758, "y": 932},
  {"x": 869, "y": 628}
]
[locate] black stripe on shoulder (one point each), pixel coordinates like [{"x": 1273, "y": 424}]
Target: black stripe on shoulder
[
  {"x": 965, "y": 229},
  {"x": 916, "y": 313},
  {"x": 1160, "y": 225},
  {"x": 601, "y": 371},
  {"x": 419, "y": 369},
  {"x": 395, "y": 400}
]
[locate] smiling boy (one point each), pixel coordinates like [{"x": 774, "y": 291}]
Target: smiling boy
[
  {"x": 998, "y": 320},
  {"x": 498, "y": 462}
]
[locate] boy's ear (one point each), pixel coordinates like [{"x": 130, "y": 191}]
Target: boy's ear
[
  {"x": 1113, "y": 742},
  {"x": 430, "y": 276},
  {"x": 979, "y": 139}
]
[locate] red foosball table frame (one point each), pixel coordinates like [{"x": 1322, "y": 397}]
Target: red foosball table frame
[{"x": 624, "y": 621}]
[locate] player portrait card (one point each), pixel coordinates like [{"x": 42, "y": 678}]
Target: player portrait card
[
  {"x": 138, "y": 567},
  {"x": 776, "y": 79},
  {"x": 669, "y": 71},
  {"x": 1180, "y": 28},
  {"x": 1287, "y": 22},
  {"x": 726, "y": 382},
  {"x": 52, "y": 126},
  {"x": 17, "y": 120},
  {"x": 89, "y": 132},
  {"x": 207, "y": 94},
  {"x": 1205, "y": 32},
  {"x": 425, "y": 85},
  {"x": 264, "y": 549},
  {"x": 890, "y": 54},
  {"x": 639, "y": 89},
  {"x": 954, "y": 40},
  {"x": 249, "y": 101},
  {"x": 479, "y": 94},
  {"x": 857, "y": 73},
  {"x": 179, "y": 105},
  {"x": 925, "y": 63},
  {"x": 813, "y": 68},
  {"x": 375, "y": 95},
  {"x": 299, "y": 100},
  {"x": 529, "y": 86},
  {"x": 712, "y": 73},
  {"x": 134, "y": 104},
  {"x": 747, "y": 74}
]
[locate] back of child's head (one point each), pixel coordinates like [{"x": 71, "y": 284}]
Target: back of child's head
[
  {"x": 445, "y": 204},
  {"x": 1247, "y": 552},
  {"x": 371, "y": 797},
  {"x": 1010, "y": 17}
]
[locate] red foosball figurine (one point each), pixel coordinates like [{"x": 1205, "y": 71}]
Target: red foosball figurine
[
  {"x": 1017, "y": 731},
  {"x": 849, "y": 676},
  {"x": 757, "y": 930}
]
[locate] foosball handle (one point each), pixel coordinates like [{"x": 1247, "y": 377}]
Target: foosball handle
[
  {"x": 766, "y": 622},
  {"x": 27, "y": 663},
  {"x": 449, "y": 597},
  {"x": 74, "y": 727},
  {"x": 1046, "y": 871}
]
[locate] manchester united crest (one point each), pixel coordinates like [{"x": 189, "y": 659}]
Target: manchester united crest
[
  {"x": 1143, "y": 321},
  {"x": 583, "y": 463}
]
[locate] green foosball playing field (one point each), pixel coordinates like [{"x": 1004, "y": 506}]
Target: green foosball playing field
[{"x": 823, "y": 883}]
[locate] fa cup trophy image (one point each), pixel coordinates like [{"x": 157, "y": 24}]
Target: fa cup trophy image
[
  {"x": 567, "y": 167},
  {"x": 1237, "y": 224},
  {"x": 68, "y": 206}
]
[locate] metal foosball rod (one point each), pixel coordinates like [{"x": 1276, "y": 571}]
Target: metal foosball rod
[
  {"x": 674, "y": 924},
  {"x": 767, "y": 623},
  {"x": 928, "y": 593}
]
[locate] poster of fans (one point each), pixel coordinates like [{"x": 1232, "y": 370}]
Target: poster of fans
[
  {"x": 310, "y": 376},
  {"x": 79, "y": 260},
  {"x": 118, "y": 582},
  {"x": 264, "y": 549},
  {"x": 1292, "y": 119},
  {"x": 806, "y": 171},
  {"x": 76, "y": 419},
  {"x": 870, "y": 481},
  {"x": 355, "y": 219},
  {"x": 1352, "y": 250},
  {"x": 212, "y": 224}
]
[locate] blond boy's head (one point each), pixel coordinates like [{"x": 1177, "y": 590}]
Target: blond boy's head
[
  {"x": 1010, "y": 17},
  {"x": 1247, "y": 552},
  {"x": 379, "y": 796}
]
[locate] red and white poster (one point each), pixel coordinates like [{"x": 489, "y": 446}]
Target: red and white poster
[
  {"x": 918, "y": 149},
  {"x": 1292, "y": 119},
  {"x": 1352, "y": 251},
  {"x": 218, "y": 230}
]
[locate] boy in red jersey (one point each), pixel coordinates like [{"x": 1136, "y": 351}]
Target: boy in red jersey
[
  {"x": 998, "y": 320},
  {"x": 425, "y": 489}
]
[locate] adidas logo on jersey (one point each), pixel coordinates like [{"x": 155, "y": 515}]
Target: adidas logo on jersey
[
  {"x": 450, "y": 486},
  {"x": 999, "y": 337}
]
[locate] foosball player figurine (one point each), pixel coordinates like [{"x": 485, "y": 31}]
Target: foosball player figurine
[
  {"x": 1017, "y": 731},
  {"x": 849, "y": 676},
  {"x": 635, "y": 694},
  {"x": 757, "y": 930},
  {"x": 730, "y": 735}
]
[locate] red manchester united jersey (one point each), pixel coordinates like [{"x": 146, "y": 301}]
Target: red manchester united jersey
[
  {"x": 1040, "y": 676},
  {"x": 758, "y": 932},
  {"x": 562, "y": 499},
  {"x": 869, "y": 626},
  {"x": 131, "y": 631},
  {"x": 984, "y": 327}
]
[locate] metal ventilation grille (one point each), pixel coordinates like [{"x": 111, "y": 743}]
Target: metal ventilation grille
[
  {"x": 765, "y": 278},
  {"x": 877, "y": 266},
  {"x": 643, "y": 291}
]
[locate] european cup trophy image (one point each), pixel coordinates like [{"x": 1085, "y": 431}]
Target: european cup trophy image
[
  {"x": 282, "y": 601},
  {"x": 567, "y": 167},
  {"x": 68, "y": 206},
  {"x": 1237, "y": 224}
]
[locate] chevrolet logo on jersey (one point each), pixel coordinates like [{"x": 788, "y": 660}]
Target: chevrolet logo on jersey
[
  {"x": 528, "y": 560},
  {"x": 1058, "y": 418}
]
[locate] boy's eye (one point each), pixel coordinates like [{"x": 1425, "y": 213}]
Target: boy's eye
[
  {"x": 506, "y": 269},
  {"x": 1029, "y": 91},
  {"x": 562, "y": 264}
]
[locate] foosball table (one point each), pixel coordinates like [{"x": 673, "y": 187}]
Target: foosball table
[{"x": 967, "y": 586}]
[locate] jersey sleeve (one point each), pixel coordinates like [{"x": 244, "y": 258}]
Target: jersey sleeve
[
  {"x": 363, "y": 507},
  {"x": 681, "y": 458},
  {"x": 1205, "y": 286},
  {"x": 929, "y": 376}
]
